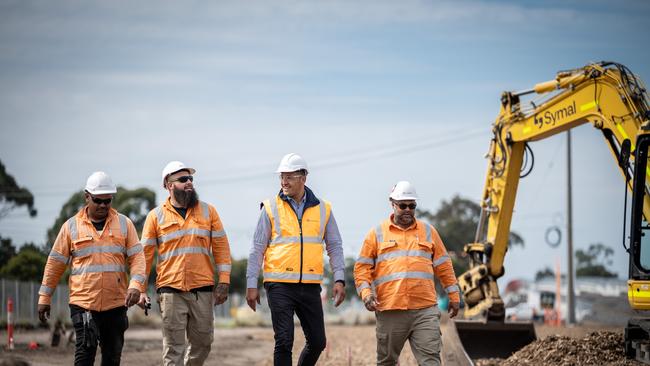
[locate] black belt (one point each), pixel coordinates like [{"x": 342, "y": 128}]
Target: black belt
[{"x": 171, "y": 290}]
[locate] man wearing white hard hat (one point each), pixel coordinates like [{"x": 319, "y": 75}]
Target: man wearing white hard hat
[
  {"x": 98, "y": 243},
  {"x": 394, "y": 277},
  {"x": 192, "y": 245},
  {"x": 288, "y": 241}
]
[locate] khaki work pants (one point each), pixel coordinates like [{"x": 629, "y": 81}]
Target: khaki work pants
[
  {"x": 421, "y": 327},
  {"x": 186, "y": 314}
]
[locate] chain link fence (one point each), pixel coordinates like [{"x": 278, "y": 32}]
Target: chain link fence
[{"x": 25, "y": 298}]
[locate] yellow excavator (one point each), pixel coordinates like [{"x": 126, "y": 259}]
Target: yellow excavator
[{"x": 611, "y": 98}]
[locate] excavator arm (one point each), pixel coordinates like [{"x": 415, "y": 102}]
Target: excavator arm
[{"x": 607, "y": 96}]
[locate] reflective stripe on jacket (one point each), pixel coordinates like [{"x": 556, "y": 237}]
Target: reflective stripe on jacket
[
  {"x": 188, "y": 248},
  {"x": 400, "y": 264},
  {"x": 98, "y": 277},
  {"x": 295, "y": 252}
]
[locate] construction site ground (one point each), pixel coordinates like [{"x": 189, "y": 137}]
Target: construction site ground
[{"x": 347, "y": 345}]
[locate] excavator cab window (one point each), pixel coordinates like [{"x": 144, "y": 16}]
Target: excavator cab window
[
  {"x": 644, "y": 252},
  {"x": 640, "y": 227},
  {"x": 644, "y": 249}
]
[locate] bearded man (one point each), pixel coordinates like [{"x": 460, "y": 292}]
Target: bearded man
[{"x": 187, "y": 233}]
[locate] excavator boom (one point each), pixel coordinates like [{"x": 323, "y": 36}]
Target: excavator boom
[{"x": 606, "y": 95}]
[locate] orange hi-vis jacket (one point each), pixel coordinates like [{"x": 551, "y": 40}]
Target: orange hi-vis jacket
[
  {"x": 400, "y": 264},
  {"x": 98, "y": 278},
  {"x": 295, "y": 253},
  {"x": 186, "y": 246}
]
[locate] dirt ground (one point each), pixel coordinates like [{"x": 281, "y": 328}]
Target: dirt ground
[{"x": 347, "y": 345}]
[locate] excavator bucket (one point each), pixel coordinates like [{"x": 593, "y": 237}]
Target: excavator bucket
[{"x": 493, "y": 339}]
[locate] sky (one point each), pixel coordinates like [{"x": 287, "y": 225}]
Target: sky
[{"x": 368, "y": 92}]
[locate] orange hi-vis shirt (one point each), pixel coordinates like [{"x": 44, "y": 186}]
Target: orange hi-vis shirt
[
  {"x": 98, "y": 279},
  {"x": 399, "y": 266},
  {"x": 186, "y": 246}
]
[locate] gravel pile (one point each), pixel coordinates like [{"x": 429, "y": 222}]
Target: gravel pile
[{"x": 597, "y": 348}]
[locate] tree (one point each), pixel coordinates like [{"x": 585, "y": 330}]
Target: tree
[
  {"x": 456, "y": 222},
  {"x": 544, "y": 273},
  {"x": 27, "y": 265},
  {"x": 350, "y": 290},
  {"x": 13, "y": 196},
  {"x": 593, "y": 261},
  {"x": 238, "y": 276},
  {"x": 135, "y": 204},
  {"x": 7, "y": 251}
]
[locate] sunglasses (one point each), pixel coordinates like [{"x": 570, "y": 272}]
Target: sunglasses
[
  {"x": 183, "y": 179},
  {"x": 403, "y": 206},
  {"x": 100, "y": 201}
]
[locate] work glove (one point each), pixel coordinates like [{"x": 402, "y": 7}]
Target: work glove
[{"x": 43, "y": 312}]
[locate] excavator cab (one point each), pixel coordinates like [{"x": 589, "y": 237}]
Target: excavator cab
[
  {"x": 637, "y": 331},
  {"x": 639, "y": 227}
]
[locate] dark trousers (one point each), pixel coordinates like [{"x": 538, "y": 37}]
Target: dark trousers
[
  {"x": 111, "y": 325},
  {"x": 285, "y": 299}
]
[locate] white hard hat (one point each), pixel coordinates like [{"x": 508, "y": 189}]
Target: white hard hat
[
  {"x": 173, "y": 167},
  {"x": 403, "y": 191},
  {"x": 100, "y": 183},
  {"x": 291, "y": 163}
]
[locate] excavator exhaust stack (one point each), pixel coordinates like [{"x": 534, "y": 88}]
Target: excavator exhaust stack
[{"x": 493, "y": 339}]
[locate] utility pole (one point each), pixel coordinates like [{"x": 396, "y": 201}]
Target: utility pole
[{"x": 571, "y": 313}]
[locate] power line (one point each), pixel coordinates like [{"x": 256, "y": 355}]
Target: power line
[{"x": 361, "y": 156}]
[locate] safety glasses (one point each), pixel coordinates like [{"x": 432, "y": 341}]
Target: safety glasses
[
  {"x": 292, "y": 177},
  {"x": 403, "y": 206},
  {"x": 99, "y": 201},
  {"x": 183, "y": 179}
]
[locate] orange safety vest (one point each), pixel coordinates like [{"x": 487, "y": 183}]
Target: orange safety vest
[
  {"x": 187, "y": 247},
  {"x": 98, "y": 279},
  {"x": 399, "y": 266},
  {"x": 295, "y": 252}
]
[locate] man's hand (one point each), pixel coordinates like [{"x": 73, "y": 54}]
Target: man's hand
[
  {"x": 132, "y": 297},
  {"x": 371, "y": 302},
  {"x": 144, "y": 299},
  {"x": 252, "y": 297},
  {"x": 453, "y": 309},
  {"x": 43, "y": 312},
  {"x": 338, "y": 293},
  {"x": 220, "y": 293}
]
